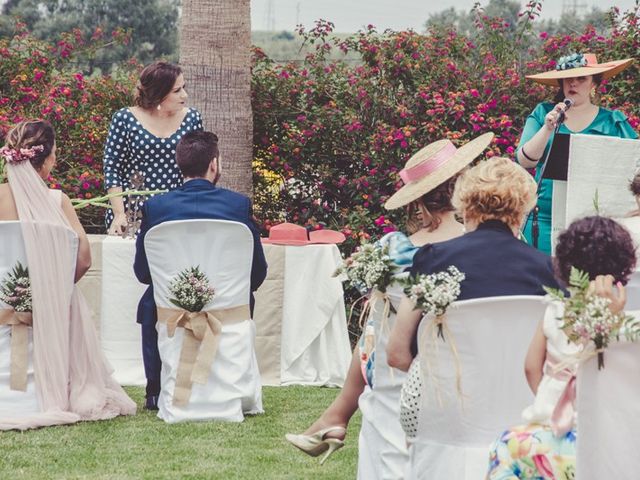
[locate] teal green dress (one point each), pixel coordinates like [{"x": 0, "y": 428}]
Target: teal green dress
[{"x": 610, "y": 123}]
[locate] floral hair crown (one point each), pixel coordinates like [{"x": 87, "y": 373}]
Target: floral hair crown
[
  {"x": 17, "y": 155},
  {"x": 568, "y": 62}
]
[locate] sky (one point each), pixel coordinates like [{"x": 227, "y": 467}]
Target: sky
[{"x": 351, "y": 15}]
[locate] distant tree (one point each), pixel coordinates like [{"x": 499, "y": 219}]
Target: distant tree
[
  {"x": 571, "y": 23},
  {"x": 152, "y": 24},
  {"x": 463, "y": 21}
]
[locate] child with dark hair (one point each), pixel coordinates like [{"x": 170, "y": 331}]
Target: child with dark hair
[{"x": 545, "y": 446}]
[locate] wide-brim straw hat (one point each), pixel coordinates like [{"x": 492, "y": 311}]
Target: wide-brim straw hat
[
  {"x": 607, "y": 70},
  {"x": 433, "y": 165}
]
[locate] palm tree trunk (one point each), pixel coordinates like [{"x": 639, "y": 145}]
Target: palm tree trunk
[{"x": 215, "y": 43}]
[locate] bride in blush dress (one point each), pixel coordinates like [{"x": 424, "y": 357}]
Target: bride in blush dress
[{"x": 69, "y": 375}]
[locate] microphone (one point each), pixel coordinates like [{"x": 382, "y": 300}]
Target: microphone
[{"x": 568, "y": 103}]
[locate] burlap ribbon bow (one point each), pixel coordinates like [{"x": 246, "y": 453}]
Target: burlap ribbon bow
[
  {"x": 20, "y": 323},
  {"x": 200, "y": 343}
]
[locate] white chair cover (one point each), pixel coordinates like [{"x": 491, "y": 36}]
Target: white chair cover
[
  {"x": 224, "y": 251},
  {"x": 382, "y": 447},
  {"x": 16, "y": 403},
  {"x": 608, "y": 402},
  {"x": 633, "y": 292},
  {"x": 491, "y": 336}
]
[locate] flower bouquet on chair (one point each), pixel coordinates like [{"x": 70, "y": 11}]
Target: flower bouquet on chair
[
  {"x": 370, "y": 270},
  {"x": 190, "y": 291},
  {"x": 434, "y": 293},
  {"x": 587, "y": 318},
  {"x": 15, "y": 291},
  {"x": 369, "y": 267}
]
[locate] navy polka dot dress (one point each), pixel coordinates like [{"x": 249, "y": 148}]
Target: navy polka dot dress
[{"x": 131, "y": 149}]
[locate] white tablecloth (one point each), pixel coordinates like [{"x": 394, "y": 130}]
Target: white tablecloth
[
  {"x": 300, "y": 318},
  {"x": 119, "y": 333}
]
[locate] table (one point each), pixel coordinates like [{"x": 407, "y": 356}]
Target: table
[
  {"x": 301, "y": 328},
  {"x": 301, "y": 325},
  {"x": 112, "y": 292}
]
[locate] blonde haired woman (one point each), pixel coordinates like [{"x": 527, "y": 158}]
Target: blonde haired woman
[{"x": 493, "y": 198}]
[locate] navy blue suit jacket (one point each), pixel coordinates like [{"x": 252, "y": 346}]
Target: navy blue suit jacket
[
  {"x": 196, "y": 199},
  {"x": 494, "y": 262}
]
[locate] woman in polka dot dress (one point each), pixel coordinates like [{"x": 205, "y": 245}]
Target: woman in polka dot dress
[{"x": 142, "y": 139}]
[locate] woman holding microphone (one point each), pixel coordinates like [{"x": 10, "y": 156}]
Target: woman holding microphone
[{"x": 578, "y": 77}]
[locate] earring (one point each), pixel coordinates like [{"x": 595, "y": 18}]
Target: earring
[{"x": 159, "y": 107}]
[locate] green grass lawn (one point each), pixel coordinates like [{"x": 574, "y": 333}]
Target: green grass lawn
[{"x": 144, "y": 447}]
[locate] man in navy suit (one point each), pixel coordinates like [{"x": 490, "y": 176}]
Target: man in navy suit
[{"x": 197, "y": 156}]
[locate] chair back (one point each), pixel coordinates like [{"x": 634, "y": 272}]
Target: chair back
[
  {"x": 490, "y": 338},
  {"x": 633, "y": 291},
  {"x": 608, "y": 402},
  {"x": 222, "y": 249},
  {"x": 13, "y": 249},
  {"x": 224, "y": 252},
  {"x": 16, "y": 403}
]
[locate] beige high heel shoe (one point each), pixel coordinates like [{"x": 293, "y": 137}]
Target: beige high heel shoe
[{"x": 316, "y": 443}]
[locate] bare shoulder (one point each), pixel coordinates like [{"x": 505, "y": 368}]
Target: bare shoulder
[
  {"x": 8, "y": 209},
  {"x": 5, "y": 192}
]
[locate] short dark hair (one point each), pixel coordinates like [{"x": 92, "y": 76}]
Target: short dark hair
[
  {"x": 155, "y": 83},
  {"x": 195, "y": 151},
  {"x": 598, "y": 246}
]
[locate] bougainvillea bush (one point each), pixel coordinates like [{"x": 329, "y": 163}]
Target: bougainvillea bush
[
  {"x": 40, "y": 80},
  {"x": 336, "y": 133},
  {"x": 329, "y": 136}
]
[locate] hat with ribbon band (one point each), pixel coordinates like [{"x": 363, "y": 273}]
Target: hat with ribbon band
[
  {"x": 580, "y": 65},
  {"x": 433, "y": 165}
]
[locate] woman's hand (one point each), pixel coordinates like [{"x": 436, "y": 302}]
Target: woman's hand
[
  {"x": 119, "y": 224},
  {"x": 603, "y": 287},
  {"x": 551, "y": 119}
]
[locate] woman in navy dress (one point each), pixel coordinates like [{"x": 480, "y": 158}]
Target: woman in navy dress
[{"x": 142, "y": 140}]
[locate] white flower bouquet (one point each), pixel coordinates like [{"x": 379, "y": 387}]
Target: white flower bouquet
[
  {"x": 15, "y": 289},
  {"x": 588, "y": 319},
  {"x": 370, "y": 266},
  {"x": 434, "y": 293},
  {"x": 191, "y": 290}
]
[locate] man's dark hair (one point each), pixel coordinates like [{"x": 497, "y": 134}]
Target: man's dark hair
[{"x": 195, "y": 151}]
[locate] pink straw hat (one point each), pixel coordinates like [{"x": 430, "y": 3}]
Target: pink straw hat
[
  {"x": 292, "y": 234},
  {"x": 433, "y": 165}
]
